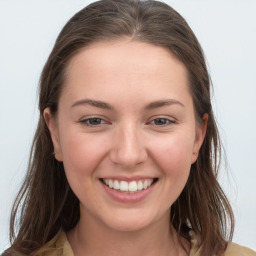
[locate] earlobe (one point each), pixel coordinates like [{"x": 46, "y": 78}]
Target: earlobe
[
  {"x": 50, "y": 121},
  {"x": 200, "y": 135}
]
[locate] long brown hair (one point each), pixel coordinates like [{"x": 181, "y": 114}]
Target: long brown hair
[{"x": 46, "y": 204}]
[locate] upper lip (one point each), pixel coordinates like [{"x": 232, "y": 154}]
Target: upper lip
[{"x": 125, "y": 178}]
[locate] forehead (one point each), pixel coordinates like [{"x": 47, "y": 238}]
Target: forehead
[
  {"x": 125, "y": 56},
  {"x": 121, "y": 66}
]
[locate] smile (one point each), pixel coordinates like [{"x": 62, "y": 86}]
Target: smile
[{"x": 131, "y": 186}]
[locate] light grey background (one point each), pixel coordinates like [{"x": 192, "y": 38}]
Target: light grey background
[{"x": 227, "y": 32}]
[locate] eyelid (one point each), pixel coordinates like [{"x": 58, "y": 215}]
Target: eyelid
[
  {"x": 84, "y": 121},
  {"x": 170, "y": 121}
]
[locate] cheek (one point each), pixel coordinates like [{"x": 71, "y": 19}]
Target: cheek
[
  {"x": 81, "y": 155},
  {"x": 173, "y": 156}
]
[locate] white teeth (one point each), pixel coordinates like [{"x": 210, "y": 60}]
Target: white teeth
[
  {"x": 110, "y": 183},
  {"x": 132, "y": 186},
  {"x": 124, "y": 186},
  {"x": 116, "y": 184},
  {"x": 140, "y": 185},
  {"x": 145, "y": 184}
]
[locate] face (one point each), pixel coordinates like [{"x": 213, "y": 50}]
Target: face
[{"x": 126, "y": 132}]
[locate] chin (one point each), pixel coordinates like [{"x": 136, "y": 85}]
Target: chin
[
  {"x": 129, "y": 222},
  {"x": 128, "y": 226}
]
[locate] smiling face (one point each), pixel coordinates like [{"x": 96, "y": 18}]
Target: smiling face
[{"x": 126, "y": 132}]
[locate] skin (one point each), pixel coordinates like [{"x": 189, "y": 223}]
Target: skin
[{"x": 132, "y": 137}]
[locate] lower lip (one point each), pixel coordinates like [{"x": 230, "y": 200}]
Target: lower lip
[{"x": 125, "y": 197}]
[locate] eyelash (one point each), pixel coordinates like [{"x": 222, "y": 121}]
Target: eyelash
[
  {"x": 166, "y": 120},
  {"x": 88, "y": 122}
]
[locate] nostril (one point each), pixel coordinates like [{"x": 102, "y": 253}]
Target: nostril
[
  {"x": 127, "y": 157},
  {"x": 128, "y": 148}
]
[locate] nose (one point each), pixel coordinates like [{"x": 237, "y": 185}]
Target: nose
[{"x": 128, "y": 148}]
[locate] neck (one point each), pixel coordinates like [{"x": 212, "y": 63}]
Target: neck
[{"x": 90, "y": 237}]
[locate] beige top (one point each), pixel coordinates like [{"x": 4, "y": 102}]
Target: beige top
[{"x": 59, "y": 246}]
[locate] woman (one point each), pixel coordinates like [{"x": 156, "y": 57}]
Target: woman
[{"x": 124, "y": 160}]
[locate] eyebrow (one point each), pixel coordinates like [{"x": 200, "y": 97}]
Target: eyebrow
[
  {"x": 94, "y": 103},
  {"x": 150, "y": 106},
  {"x": 162, "y": 103}
]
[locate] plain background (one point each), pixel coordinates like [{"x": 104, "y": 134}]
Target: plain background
[{"x": 227, "y": 33}]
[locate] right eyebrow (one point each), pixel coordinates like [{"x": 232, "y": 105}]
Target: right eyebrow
[
  {"x": 94, "y": 103},
  {"x": 162, "y": 103}
]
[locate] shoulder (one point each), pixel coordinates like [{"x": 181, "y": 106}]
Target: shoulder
[
  {"x": 57, "y": 246},
  {"x": 234, "y": 249}
]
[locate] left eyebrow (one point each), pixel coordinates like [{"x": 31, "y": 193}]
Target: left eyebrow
[
  {"x": 162, "y": 103},
  {"x": 94, "y": 103}
]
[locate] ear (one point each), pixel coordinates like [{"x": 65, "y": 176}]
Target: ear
[
  {"x": 200, "y": 135},
  {"x": 51, "y": 123}
]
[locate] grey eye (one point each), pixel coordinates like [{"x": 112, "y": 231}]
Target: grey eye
[
  {"x": 161, "y": 121},
  {"x": 94, "y": 121}
]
